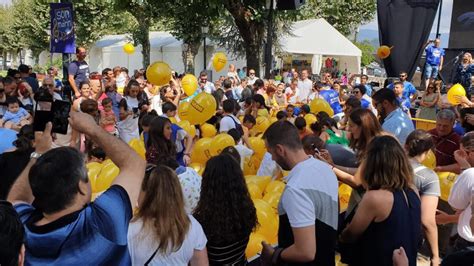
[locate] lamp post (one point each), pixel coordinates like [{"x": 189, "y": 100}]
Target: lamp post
[{"x": 204, "y": 30}]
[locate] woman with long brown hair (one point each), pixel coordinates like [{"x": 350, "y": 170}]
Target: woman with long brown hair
[
  {"x": 389, "y": 215},
  {"x": 226, "y": 211},
  {"x": 161, "y": 233}
]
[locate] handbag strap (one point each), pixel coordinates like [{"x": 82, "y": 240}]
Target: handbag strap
[{"x": 151, "y": 257}]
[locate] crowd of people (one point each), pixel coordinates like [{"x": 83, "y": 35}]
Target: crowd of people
[{"x": 161, "y": 211}]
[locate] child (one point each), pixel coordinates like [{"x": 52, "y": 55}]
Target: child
[
  {"x": 281, "y": 116},
  {"x": 243, "y": 150},
  {"x": 111, "y": 92},
  {"x": 249, "y": 122},
  {"x": 15, "y": 117},
  {"x": 169, "y": 111},
  {"x": 300, "y": 124},
  {"x": 290, "y": 113},
  {"x": 107, "y": 117},
  {"x": 96, "y": 155},
  {"x": 127, "y": 125}
]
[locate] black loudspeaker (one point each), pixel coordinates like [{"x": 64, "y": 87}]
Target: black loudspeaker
[
  {"x": 289, "y": 4},
  {"x": 462, "y": 25}
]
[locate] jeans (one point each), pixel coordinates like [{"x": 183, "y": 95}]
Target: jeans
[
  {"x": 463, "y": 254},
  {"x": 431, "y": 71}
]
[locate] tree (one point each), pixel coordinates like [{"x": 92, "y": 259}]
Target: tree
[
  {"x": 249, "y": 19},
  {"x": 345, "y": 15},
  {"x": 176, "y": 18},
  {"x": 367, "y": 52},
  {"x": 144, "y": 13}
]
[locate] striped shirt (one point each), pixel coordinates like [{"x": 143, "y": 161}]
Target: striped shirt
[{"x": 227, "y": 253}]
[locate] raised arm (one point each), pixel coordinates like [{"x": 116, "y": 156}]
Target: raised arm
[
  {"x": 21, "y": 190},
  {"x": 131, "y": 165}
]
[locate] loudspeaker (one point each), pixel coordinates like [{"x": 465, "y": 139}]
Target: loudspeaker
[
  {"x": 462, "y": 25},
  {"x": 289, "y": 4}
]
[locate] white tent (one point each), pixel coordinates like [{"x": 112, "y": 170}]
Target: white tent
[
  {"x": 108, "y": 52},
  {"x": 317, "y": 39}
]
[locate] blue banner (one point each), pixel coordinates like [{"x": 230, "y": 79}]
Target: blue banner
[{"x": 62, "y": 28}]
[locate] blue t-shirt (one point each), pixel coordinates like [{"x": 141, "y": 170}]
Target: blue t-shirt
[
  {"x": 404, "y": 104},
  {"x": 399, "y": 124},
  {"x": 15, "y": 118},
  {"x": 364, "y": 103},
  {"x": 332, "y": 97},
  {"x": 95, "y": 235},
  {"x": 433, "y": 55},
  {"x": 408, "y": 89},
  {"x": 7, "y": 137},
  {"x": 368, "y": 89},
  {"x": 80, "y": 71}
]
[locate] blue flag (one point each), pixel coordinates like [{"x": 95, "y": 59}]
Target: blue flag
[{"x": 62, "y": 28}]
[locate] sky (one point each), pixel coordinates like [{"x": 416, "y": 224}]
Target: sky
[{"x": 445, "y": 19}]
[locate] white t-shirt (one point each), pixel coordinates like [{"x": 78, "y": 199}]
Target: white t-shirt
[
  {"x": 460, "y": 199},
  {"x": 244, "y": 153},
  {"x": 268, "y": 167},
  {"x": 304, "y": 89},
  {"x": 141, "y": 245},
  {"x": 228, "y": 122},
  {"x": 252, "y": 80},
  {"x": 156, "y": 103},
  {"x": 131, "y": 102},
  {"x": 128, "y": 128},
  {"x": 191, "y": 184}
]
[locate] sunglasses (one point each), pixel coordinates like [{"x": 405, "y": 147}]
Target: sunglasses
[{"x": 251, "y": 73}]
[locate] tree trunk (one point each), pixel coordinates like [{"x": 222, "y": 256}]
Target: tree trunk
[
  {"x": 5, "y": 58},
  {"x": 142, "y": 36},
  {"x": 250, "y": 30},
  {"x": 190, "y": 51}
]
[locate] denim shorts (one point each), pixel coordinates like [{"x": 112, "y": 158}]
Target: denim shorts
[{"x": 431, "y": 71}]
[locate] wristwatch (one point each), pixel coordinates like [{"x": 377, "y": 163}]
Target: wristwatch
[{"x": 35, "y": 155}]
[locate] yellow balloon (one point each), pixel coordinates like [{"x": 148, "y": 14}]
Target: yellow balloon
[
  {"x": 254, "y": 246},
  {"x": 219, "y": 61},
  {"x": 106, "y": 176},
  {"x": 158, "y": 73},
  {"x": 254, "y": 191},
  {"x": 128, "y": 48},
  {"x": 430, "y": 160},
  {"x": 383, "y": 52},
  {"x": 173, "y": 120},
  {"x": 220, "y": 142},
  {"x": 272, "y": 199},
  {"x": 275, "y": 187},
  {"x": 208, "y": 130},
  {"x": 189, "y": 84},
  {"x": 261, "y": 181},
  {"x": 201, "y": 151},
  {"x": 455, "y": 90},
  {"x": 262, "y": 124},
  {"x": 196, "y": 166},
  {"x": 201, "y": 108},
  {"x": 93, "y": 170},
  {"x": 310, "y": 119},
  {"x": 183, "y": 111},
  {"x": 190, "y": 129},
  {"x": 138, "y": 146},
  {"x": 267, "y": 217},
  {"x": 258, "y": 146},
  {"x": 319, "y": 105},
  {"x": 251, "y": 165},
  {"x": 446, "y": 182},
  {"x": 344, "y": 195}
]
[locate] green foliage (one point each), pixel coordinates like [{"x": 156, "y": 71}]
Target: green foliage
[
  {"x": 344, "y": 15},
  {"x": 367, "y": 52}
]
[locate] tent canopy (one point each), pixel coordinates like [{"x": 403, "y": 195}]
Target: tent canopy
[{"x": 317, "y": 36}]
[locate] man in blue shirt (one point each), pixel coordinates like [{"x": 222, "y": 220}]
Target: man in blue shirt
[
  {"x": 403, "y": 102},
  {"x": 63, "y": 227},
  {"x": 409, "y": 90},
  {"x": 434, "y": 60},
  {"x": 332, "y": 97},
  {"x": 393, "y": 119}
]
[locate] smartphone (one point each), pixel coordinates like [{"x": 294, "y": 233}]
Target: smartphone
[
  {"x": 56, "y": 112},
  {"x": 60, "y": 114}
]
